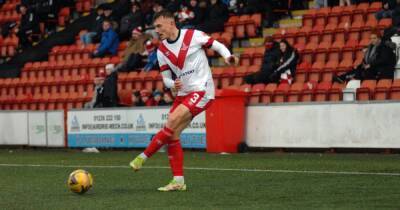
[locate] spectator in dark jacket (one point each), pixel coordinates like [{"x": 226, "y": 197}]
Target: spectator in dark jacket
[
  {"x": 378, "y": 63},
  {"x": 286, "y": 71},
  {"x": 387, "y": 11},
  {"x": 216, "y": 17},
  {"x": 198, "y": 13},
  {"x": 94, "y": 33},
  {"x": 29, "y": 25},
  {"x": 131, "y": 21},
  {"x": 270, "y": 62},
  {"x": 107, "y": 96},
  {"x": 109, "y": 41}
]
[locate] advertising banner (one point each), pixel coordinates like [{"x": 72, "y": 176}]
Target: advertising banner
[{"x": 127, "y": 128}]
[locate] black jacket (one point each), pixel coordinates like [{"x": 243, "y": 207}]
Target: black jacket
[
  {"x": 384, "y": 63},
  {"x": 271, "y": 58},
  {"x": 288, "y": 60},
  {"x": 107, "y": 96}
]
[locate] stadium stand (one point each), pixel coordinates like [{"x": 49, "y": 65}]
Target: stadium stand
[{"x": 329, "y": 41}]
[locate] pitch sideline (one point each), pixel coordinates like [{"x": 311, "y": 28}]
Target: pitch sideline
[{"x": 210, "y": 169}]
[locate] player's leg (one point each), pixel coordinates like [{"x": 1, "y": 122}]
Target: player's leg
[
  {"x": 179, "y": 119},
  {"x": 162, "y": 137}
]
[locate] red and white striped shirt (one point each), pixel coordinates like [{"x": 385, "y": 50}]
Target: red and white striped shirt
[{"x": 186, "y": 57}]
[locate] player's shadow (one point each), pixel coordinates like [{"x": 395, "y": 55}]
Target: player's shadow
[{"x": 125, "y": 190}]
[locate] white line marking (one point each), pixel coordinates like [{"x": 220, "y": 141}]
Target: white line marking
[{"x": 213, "y": 169}]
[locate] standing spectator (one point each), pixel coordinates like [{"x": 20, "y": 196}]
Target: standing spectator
[
  {"x": 107, "y": 96},
  {"x": 95, "y": 31},
  {"x": 29, "y": 26},
  {"x": 131, "y": 21},
  {"x": 217, "y": 16},
  {"x": 378, "y": 63},
  {"x": 133, "y": 54},
  {"x": 270, "y": 62},
  {"x": 109, "y": 41},
  {"x": 388, "y": 8},
  {"x": 48, "y": 10},
  {"x": 152, "y": 62},
  {"x": 98, "y": 86}
]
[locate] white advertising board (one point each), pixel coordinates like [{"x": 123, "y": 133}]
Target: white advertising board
[
  {"x": 37, "y": 129},
  {"x": 374, "y": 125},
  {"x": 55, "y": 129},
  {"x": 14, "y": 128},
  {"x": 127, "y": 128}
]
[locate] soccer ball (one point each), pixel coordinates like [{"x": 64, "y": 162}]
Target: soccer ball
[{"x": 80, "y": 181}]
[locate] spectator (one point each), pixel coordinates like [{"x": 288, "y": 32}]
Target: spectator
[
  {"x": 270, "y": 62},
  {"x": 133, "y": 54},
  {"x": 378, "y": 63},
  {"x": 146, "y": 97},
  {"x": 94, "y": 32},
  {"x": 48, "y": 10},
  {"x": 131, "y": 21},
  {"x": 107, "y": 95},
  {"x": 320, "y": 3},
  {"x": 198, "y": 13},
  {"x": 122, "y": 8},
  {"x": 173, "y": 6},
  {"x": 29, "y": 26},
  {"x": 98, "y": 82},
  {"x": 158, "y": 98},
  {"x": 286, "y": 70},
  {"x": 108, "y": 15},
  {"x": 136, "y": 99},
  {"x": 217, "y": 16},
  {"x": 152, "y": 62},
  {"x": 388, "y": 8},
  {"x": 167, "y": 99},
  {"x": 185, "y": 16},
  {"x": 344, "y": 2},
  {"x": 109, "y": 41}
]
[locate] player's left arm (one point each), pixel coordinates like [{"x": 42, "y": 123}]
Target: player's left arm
[{"x": 208, "y": 42}]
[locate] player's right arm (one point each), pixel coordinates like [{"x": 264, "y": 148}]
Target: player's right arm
[{"x": 167, "y": 74}]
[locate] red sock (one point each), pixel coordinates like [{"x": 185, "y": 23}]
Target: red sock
[
  {"x": 161, "y": 138},
  {"x": 175, "y": 156}
]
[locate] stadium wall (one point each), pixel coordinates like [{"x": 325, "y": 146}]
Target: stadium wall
[{"x": 342, "y": 125}]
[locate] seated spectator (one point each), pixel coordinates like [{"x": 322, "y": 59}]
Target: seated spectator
[
  {"x": 270, "y": 62},
  {"x": 344, "y": 2},
  {"x": 108, "y": 15},
  {"x": 98, "y": 82},
  {"x": 320, "y": 3},
  {"x": 387, "y": 11},
  {"x": 185, "y": 16},
  {"x": 286, "y": 70},
  {"x": 133, "y": 54},
  {"x": 109, "y": 41},
  {"x": 378, "y": 63},
  {"x": 216, "y": 17},
  {"x": 48, "y": 10},
  {"x": 136, "y": 99},
  {"x": 167, "y": 98},
  {"x": 94, "y": 32},
  {"x": 152, "y": 62},
  {"x": 146, "y": 97},
  {"x": 158, "y": 98},
  {"x": 131, "y": 21},
  {"x": 107, "y": 95},
  {"x": 29, "y": 25},
  {"x": 199, "y": 13}
]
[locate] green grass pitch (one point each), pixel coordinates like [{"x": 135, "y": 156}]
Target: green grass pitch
[{"x": 36, "y": 179}]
